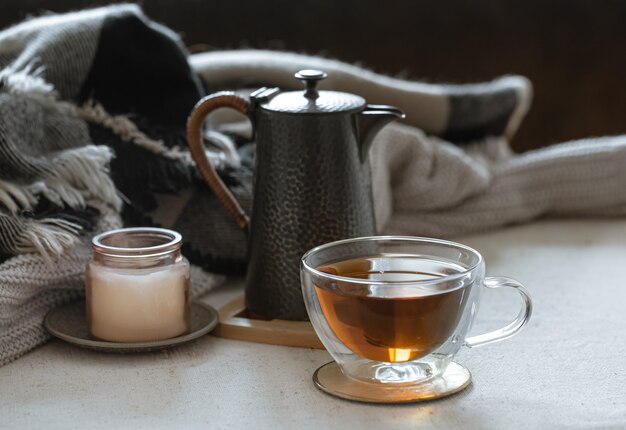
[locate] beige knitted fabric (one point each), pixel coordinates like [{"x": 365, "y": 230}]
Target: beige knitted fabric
[{"x": 425, "y": 186}]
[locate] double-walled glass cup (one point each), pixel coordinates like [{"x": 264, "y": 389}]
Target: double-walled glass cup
[{"x": 396, "y": 310}]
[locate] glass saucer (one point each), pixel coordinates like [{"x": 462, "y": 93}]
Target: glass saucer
[
  {"x": 330, "y": 379},
  {"x": 69, "y": 323}
]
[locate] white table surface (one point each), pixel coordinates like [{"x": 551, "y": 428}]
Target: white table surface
[{"x": 567, "y": 369}]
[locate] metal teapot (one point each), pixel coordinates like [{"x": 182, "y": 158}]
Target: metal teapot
[{"x": 312, "y": 181}]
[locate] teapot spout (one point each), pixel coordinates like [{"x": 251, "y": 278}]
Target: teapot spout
[{"x": 370, "y": 121}]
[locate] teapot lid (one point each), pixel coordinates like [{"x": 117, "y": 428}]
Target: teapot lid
[{"x": 311, "y": 101}]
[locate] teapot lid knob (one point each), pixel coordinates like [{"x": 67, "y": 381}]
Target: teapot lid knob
[
  {"x": 311, "y": 101},
  {"x": 310, "y": 78}
]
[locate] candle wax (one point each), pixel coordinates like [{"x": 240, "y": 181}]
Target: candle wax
[{"x": 138, "y": 305}]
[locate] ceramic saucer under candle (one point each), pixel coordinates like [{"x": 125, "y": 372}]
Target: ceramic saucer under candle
[
  {"x": 330, "y": 379},
  {"x": 69, "y": 323}
]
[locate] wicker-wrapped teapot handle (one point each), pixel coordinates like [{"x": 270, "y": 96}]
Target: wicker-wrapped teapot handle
[{"x": 196, "y": 146}]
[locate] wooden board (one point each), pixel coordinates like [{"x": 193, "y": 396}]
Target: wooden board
[{"x": 236, "y": 322}]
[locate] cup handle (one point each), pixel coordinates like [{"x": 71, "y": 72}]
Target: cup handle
[
  {"x": 196, "y": 147},
  {"x": 514, "y": 326}
]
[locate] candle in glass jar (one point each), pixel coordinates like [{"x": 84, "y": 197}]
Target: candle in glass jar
[{"x": 138, "y": 286}]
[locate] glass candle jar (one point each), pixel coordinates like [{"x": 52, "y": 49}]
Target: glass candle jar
[{"x": 137, "y": 286}]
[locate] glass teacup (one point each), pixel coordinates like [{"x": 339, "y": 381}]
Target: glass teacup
[{"x": 395, "y": 310}]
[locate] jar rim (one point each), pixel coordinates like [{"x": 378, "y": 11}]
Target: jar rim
[{"x": 171, "y": 241}]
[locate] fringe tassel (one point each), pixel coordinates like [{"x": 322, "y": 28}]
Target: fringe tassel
[
  {"x": 49, "y": 237},
  {"x": 82, "y": 174},
  {"x": 27, "y": 80},
  {"x": 126, "y": 130},
  {"x": 16, "y": 197},
  {"x": 123, "y": 127}
]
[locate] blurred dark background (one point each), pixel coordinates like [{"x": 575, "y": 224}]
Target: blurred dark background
[{"x": 572, "y": 50}]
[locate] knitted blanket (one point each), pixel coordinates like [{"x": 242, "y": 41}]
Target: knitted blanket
[{"x": 93, "y": 107}]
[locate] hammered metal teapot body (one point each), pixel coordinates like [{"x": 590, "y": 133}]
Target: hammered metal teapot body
[{"x": 312, "y": 181}]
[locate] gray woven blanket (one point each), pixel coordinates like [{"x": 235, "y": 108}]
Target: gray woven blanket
[{"x": 92, "y": 114}]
